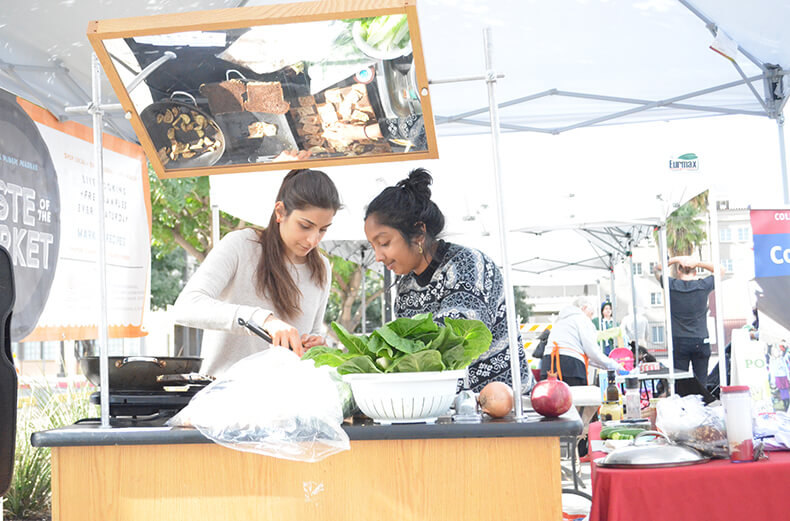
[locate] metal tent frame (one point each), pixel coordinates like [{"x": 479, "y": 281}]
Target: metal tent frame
[{"x": 772, "y": 101}]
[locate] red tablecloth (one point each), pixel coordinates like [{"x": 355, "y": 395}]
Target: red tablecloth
[{"x": 714, "y": 491}]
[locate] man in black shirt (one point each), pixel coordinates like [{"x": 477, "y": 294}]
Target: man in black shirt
[{"x": 688, "y": 299}]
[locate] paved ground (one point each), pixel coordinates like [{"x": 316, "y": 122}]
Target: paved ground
[{"x": 571, "y": 503}]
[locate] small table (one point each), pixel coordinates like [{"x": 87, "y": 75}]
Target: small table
[{"x": 717, "y": 490}]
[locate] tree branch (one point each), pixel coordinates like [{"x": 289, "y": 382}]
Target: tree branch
[
  {"x": 181, "y": 241},
  {"x": 340, "y": 282}
]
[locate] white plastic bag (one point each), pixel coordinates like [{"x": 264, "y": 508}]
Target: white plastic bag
[
  {"x": 271, "y": 403},
  {"x": 687, "y": 421}
]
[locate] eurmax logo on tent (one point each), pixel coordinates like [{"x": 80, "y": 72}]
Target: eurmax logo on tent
[{"x": 684, "y": 162}]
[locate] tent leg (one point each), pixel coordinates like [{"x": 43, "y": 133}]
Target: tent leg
[
  {"x": 662, "y": 248},
  {"x": 717, "y": 289},
  {"x": 634, "y": 307},
  {"x": 780, "y": 124},
  {"x": 512, "y": 327},
  {"x": 98, "y": 158},
  {"x": 364, "y": 299},
  {"x": 614, "y": 296},
  {"x": 214, "y": 225},
  {"x": 386, "y": 295}
]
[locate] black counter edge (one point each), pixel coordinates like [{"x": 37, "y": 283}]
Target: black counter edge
[{"x": 81, "y": 436}]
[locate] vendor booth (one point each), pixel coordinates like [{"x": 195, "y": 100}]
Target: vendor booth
[{"x": 118, "y": 470}]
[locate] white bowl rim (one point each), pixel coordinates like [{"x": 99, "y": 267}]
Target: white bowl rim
[{"x": 405, "y": 377}]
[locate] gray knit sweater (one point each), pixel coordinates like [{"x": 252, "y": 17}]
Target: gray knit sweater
[{"x": 223, "y": 289}]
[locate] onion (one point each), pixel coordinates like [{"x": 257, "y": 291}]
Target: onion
[
  {"x": 496, "y": 399},
  {"x": 551, "y": 397}
]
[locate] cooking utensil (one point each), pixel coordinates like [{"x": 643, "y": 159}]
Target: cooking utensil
[
  {"x": 255, "y": 328},
  {"x": 8, "y": 379},
  {"x": 158, "y": 131},
  {"x": 138, "y": 373},
  {"x": 184, "y": 379},
  {"x": 654, "y": 455}
]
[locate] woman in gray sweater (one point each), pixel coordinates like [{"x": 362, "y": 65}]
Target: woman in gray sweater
[{"x": 275, "y": 277}]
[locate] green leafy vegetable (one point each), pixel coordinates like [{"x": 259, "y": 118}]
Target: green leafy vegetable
[
  {"x": 407, "y": 345},
  {"x": 386, "y": 33},
  {"x": 354, "y": 344},
  {"x": 358, "y": 364},
  {"x": 323, "y": 355},
  {"x": 429, "y": 360}
]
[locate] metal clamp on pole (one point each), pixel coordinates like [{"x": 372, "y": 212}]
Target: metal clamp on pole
[{"x": 117, "y": 107}]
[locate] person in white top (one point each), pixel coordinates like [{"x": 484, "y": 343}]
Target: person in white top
[
  {"x": 627, "y": 325},
  {"x": 573, "y": 340},
  {"x": 275, "y": 277}
]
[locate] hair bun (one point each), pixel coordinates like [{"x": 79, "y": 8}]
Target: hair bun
[{"x": 418, "y": 182}]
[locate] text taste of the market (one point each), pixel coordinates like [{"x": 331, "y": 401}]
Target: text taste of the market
[{"x": 20, "y": 208}]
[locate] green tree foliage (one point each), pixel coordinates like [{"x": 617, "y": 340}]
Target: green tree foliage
[
  {"x": 523, "y": 308},
  {"x": 686, "y": 227},
  {"x": 167, "y": 275},
  {"x": 180, "y": 221},
  {"x": 181, "y": 215},
  {"x": 345, "y": 299}
]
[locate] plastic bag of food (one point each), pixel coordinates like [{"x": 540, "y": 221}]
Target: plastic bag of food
[
  {"x": 271, "y": 403},
  {"x": 687, "y": 421}
]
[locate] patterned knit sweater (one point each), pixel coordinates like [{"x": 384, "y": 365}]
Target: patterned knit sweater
[{"x": 465, "y": 283}]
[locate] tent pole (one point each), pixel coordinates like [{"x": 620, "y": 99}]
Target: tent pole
[
  {"x": 662, "y": 248},
  {"x": 716, "y": 261},
  {"x": 98, "y": 158},
  {"x": 780, "y": 124},
  {"x": 386, "y": 295},
  {"x": 599, "y": 314},
  {"x": 614, "y": 297},
  {"x": 214, "y": 225},
  {"x": 364, "y": 299},
  {"x": 512, "y": 327},
  {"x": 633, "y": 306}
]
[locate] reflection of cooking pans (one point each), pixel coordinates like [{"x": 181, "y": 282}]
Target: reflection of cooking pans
[
  {"x": 243, "y": 148},
  {"x": 157, "y": 130}
]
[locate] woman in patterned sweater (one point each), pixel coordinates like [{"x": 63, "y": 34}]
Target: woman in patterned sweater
[{"x": 402, "y": 224}]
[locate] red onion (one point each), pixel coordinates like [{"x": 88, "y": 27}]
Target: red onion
[{"x": 551, "y": 397}]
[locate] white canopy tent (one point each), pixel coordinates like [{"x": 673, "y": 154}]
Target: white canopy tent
[
  {"x": 654, "y": 65},
  {"x": 567, "y": 63}
]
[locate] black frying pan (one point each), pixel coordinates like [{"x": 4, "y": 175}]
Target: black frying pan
[
  {"x": 138, "y": 373},
  {"x": 158, "y": 131}
]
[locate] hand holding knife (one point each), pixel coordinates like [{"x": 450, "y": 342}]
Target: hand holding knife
[{"x": 258, "y": 330}]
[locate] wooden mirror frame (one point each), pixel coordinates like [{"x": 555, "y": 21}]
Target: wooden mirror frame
[{"x": 243, "y": 17}]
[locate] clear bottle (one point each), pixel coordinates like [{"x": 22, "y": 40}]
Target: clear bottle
[
  {"x": 612, "y": 393},
  {"x": 633, "y": 405},
  {"x": 611, "y": 410}
]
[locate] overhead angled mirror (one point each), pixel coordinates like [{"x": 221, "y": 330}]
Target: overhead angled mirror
[{"x": 247, "y": 89}]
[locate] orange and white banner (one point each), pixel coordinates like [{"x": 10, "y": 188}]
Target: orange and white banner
[{"x": 49, "y": 188}]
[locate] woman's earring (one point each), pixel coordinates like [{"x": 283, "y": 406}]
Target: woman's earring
[{"x": 420, "y": 247}]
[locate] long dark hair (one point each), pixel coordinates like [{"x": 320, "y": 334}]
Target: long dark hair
[
  {"x": 408, "y": 208},
  {"x": 300, "y": 189}
]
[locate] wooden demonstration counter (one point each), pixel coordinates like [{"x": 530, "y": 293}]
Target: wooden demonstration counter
[{"x": 495, "y": 470}]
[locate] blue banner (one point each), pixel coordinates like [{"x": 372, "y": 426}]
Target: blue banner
[{"x": 771, "y": 255}]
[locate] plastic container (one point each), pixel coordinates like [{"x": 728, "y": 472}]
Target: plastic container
[
  {"x": 651, "y": 412},
  {"x": 738, "y": 419},
  {"x": 633, "y": 402},
  {"x": 404, "y": 397}
]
